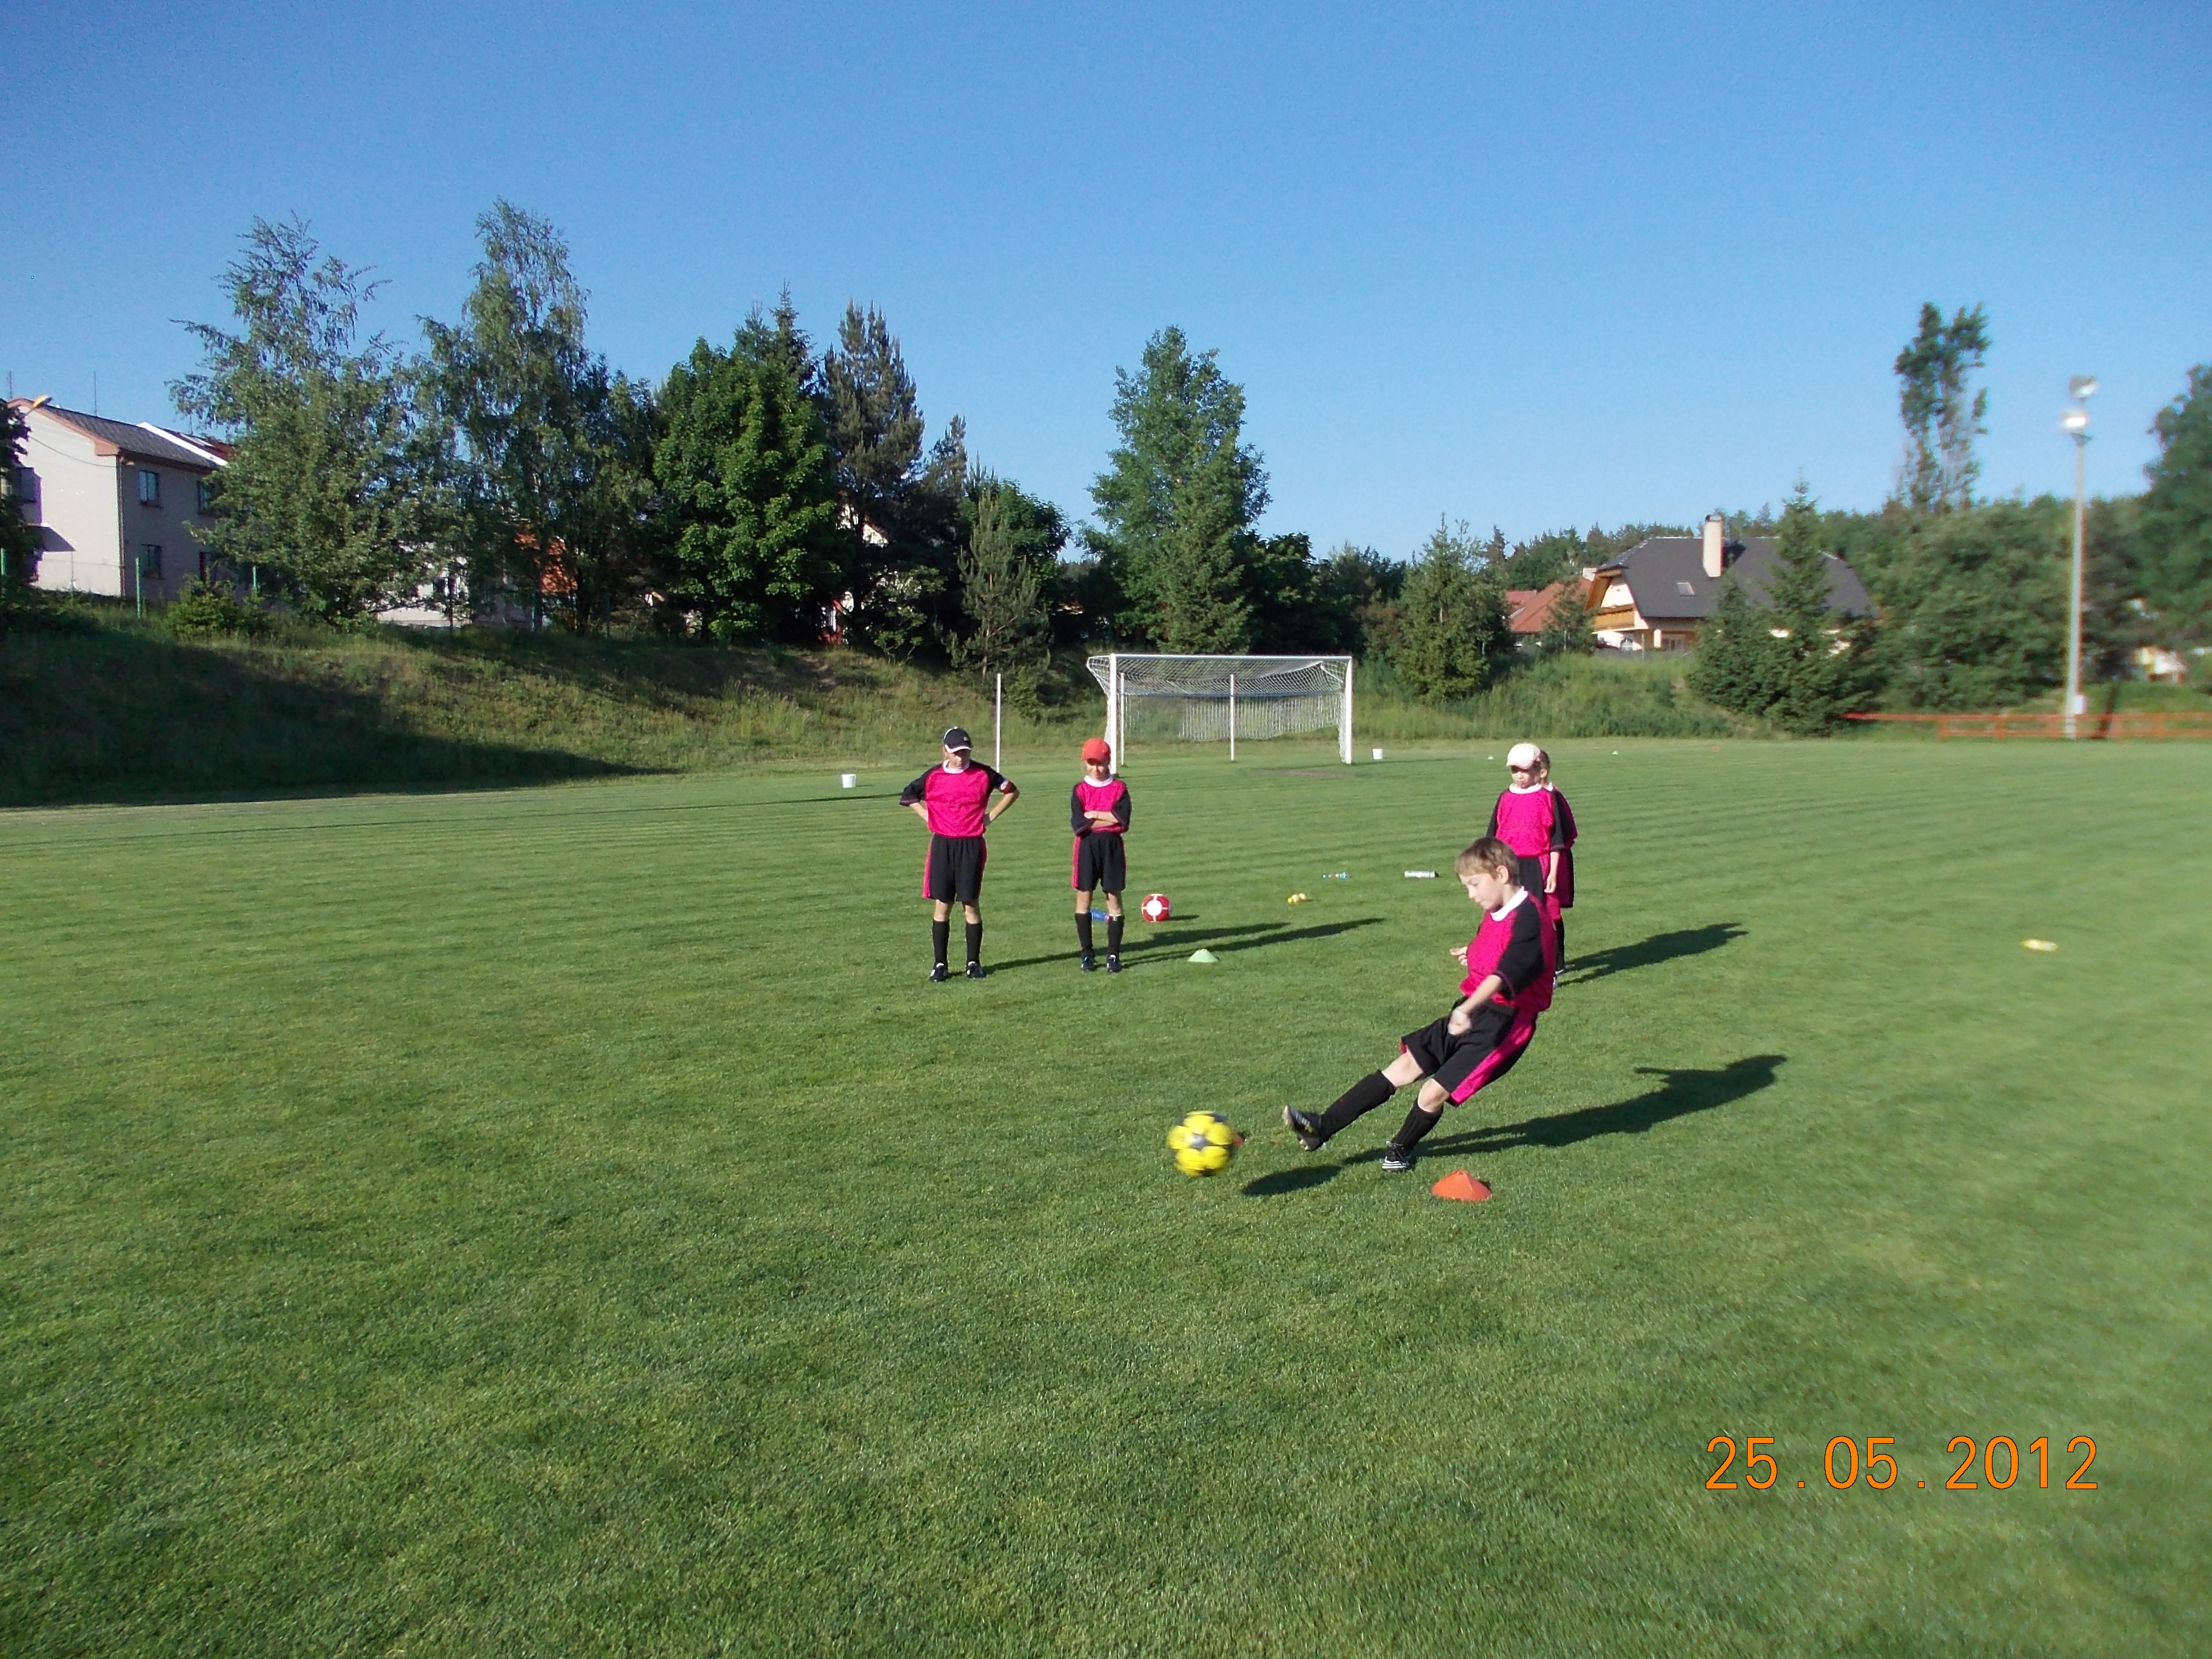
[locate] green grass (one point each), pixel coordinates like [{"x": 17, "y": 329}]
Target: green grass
[{"x": 564, "y": 1221}]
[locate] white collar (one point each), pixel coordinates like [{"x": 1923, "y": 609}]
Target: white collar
[
  {"x": 964, "y": 766},
  {"x": 1528, "y": 789},
  {"x": 1506, "y": 908}
]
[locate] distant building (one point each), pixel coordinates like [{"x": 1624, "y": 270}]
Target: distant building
[
  {"x": 115, "y": 503},
  {"x": 1656, "y": 596},
  {"x": 1529, "y": 610}
]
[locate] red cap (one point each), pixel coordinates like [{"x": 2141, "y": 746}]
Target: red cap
[{"x": 1098, "y": 750}]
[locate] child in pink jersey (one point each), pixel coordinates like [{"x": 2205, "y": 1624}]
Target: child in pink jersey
[
  {"x": 1510, "y": 964},
  {"x": 1098, "y": 812},
  {"x": 1533, "y": 818}
]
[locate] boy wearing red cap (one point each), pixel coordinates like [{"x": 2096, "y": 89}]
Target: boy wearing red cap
[
  {"x": 1098, "y": 811},
  {"x": 956, "y": 799}
]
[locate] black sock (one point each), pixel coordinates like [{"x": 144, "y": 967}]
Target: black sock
[
  {"x": 1563, "y": 941},
  {"x": 1114, "y": 935},
  {"x": 1083, "y": 930},
  {"x": 974, "y": 941},
  {"x": 940, "y": 937},
  {"x": 1355, "y": 1103},
  {"x": 1417, "y": 1123}
]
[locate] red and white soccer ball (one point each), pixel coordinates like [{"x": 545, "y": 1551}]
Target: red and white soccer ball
[{"x": 1155, "y": 908}]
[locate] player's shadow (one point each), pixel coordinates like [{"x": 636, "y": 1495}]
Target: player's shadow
[
  {"x": 1681, "y": 1094},
  {"x": 1161, "y": 948},
  {"x": 1294, "y": 1180},
  {"x": 1647, "y": 953}
]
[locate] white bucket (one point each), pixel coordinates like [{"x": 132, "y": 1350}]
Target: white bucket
[
  {"x": 848, "y": 779},
  {"x": 1378, "y": 754}
]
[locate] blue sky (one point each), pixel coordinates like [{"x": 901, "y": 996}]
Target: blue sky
[{"x": 1523, "y": 265}]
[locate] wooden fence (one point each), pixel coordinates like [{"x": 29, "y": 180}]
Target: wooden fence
[{"x": 2153, "y": 723}]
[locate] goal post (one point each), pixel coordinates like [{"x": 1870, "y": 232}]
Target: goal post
[{"x": 1206, "y": 698}]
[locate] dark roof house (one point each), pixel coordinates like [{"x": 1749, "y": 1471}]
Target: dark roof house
[{"x": 1654, "y": 597}]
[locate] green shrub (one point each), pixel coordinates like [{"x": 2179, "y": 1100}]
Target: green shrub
[{"x": 209, "y": 608}]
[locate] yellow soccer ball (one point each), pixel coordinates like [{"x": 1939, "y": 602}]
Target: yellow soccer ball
[{"x": 1203, "y": 1143}]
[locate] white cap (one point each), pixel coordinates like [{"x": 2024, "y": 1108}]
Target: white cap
[{"x": 1524, "y": 754}]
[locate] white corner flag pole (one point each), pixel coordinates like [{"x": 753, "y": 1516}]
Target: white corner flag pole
[
  {"x": 1232, "y": 717},
  {"x": 998, "y": 719}
]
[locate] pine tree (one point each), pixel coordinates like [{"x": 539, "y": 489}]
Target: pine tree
[
  {"x": 1005, "y": 570},
  {"x": 875, "y": 425},
  {"x": 1178, "y": 501},
  {"x": 1812, "y": 680},
  {"x": 1455, "y": 625},
  {"x": 1567, "y": 630},
  {"x": 744, "y": 468}
]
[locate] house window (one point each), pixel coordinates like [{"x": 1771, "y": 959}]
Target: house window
[
  {"x": 23, "y": 485},
  {"x": 1686, "y": 589},
  {"x": 149, "y": 560},
  {"x": 206, "y": 496},
  {"x": 149, "y": 487}
]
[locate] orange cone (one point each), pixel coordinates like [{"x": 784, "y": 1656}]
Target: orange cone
[{"x": 1461, "y": 1185}]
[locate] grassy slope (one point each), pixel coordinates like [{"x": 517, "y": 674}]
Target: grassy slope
[
  {"x": 123, "y": 712},
  {"x": 565, "y": 1222}
]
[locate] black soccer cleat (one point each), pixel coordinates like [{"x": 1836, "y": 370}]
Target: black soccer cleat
[
  {"x": 1308, "y": 1132},
  {"x": 975, "y": 970},
  {"x": 1397, "y": 1160},
  {"x": 1089, "y": 963},
  {"x": 1112, "y": 961},
  {"x": 938, "y": 974}
]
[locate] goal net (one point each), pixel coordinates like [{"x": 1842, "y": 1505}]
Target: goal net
[{"x": 1174, "y": 699}]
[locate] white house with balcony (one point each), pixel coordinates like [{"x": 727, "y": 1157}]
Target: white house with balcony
[{"x": 115, "y": 502}]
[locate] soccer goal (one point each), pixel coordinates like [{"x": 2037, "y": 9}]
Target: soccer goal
[{"x": 1205, "y": 699}]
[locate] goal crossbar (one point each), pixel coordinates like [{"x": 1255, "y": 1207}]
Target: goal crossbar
[{"x": 1254, "y": 696}]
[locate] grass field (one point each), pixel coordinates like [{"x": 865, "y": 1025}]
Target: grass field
[{"x": 564, "y": 1221}]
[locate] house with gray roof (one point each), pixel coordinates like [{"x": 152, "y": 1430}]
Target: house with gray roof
[
  {"x": 116, "y": 502},
  {"x": 1656, "y": 596}
]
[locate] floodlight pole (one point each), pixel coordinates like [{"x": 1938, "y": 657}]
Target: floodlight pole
[
  {"x": 2075, "y": 423},
  {"x": 998, "y": 718}
]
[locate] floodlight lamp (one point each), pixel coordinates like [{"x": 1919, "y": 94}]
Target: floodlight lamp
[
  {"x": 2075, "y": 421},
  {"x": 2082, "y": 386}
]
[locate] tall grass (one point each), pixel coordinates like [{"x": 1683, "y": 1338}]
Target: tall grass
[{"x": 1595, "y": 697}]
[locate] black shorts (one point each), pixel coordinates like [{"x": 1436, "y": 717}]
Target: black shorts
[
  {"x": 954, "y": 871},
  {"x": 1465, "y": 1065},
  {"x": 1100, "y": 861}
]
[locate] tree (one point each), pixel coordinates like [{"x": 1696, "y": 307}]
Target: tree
[
  {"x": 19, "y": 540},
  {"x": 329, "y": 489},
  {"x": 1974, "y": 605},
  {"x": 1814, "y": 661},
  {"x": 1455, "y": 623},
  {"x": 1737, "y": 666},
  {"x": 1567, "y": 630},
  {"x": 1179, "y": 499},
  {"x": 2177, "y": 516},
  {"x": 751, "y": 503},
  {"x": 1942, "y": 421},
  {"x": 543, "y": 459},
  {"x": 1005, "y": 572},
  {"x": 875, "y": 425}
]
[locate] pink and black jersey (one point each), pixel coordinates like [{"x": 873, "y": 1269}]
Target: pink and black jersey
[
  {"x": 1111, "y": 796},
  {"x": 1519, "y": 945},
  {"x": 1534, "y": 822},
  {"x": 955, "y": 800}
]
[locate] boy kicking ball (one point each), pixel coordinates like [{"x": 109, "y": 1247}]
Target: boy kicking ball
[
  {"x": 957, "y": 798},
  {"x": 1511, "y": 962},
  {"x": 1098, "y": 811}
]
